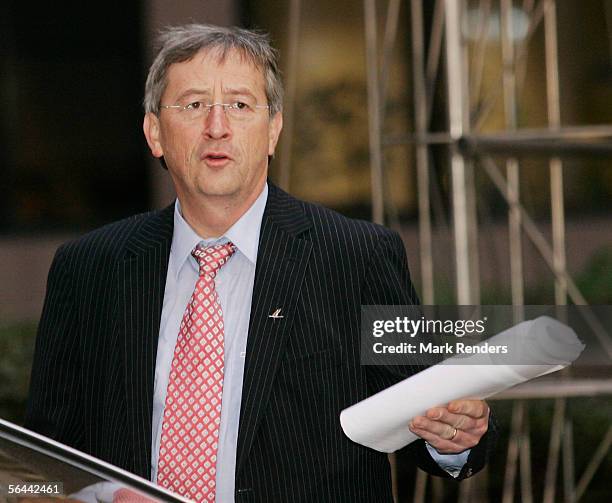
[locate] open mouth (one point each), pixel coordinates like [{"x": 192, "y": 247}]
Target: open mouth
[{"x": 216, "y": 159}]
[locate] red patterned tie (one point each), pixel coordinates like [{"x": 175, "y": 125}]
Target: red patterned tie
[{"x": 192, "y": 415}]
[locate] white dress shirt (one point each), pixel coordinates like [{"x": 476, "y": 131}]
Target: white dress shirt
[{"x": 234, "y": 284}]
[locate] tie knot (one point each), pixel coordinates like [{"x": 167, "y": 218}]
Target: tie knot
[{"x": 211, "y": 258}]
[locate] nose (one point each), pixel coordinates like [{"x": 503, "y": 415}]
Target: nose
[{"x": 216, "y": 123}]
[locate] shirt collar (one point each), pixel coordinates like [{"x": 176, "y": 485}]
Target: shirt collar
[{"x": 244, "y": 233}]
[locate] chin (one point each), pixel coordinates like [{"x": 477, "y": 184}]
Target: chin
[
  {"x": 217, "y": 184},
  {"x": 219, "y": 189}
]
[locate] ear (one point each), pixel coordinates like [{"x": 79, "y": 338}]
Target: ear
[
  {"x": 274, "y": 130},
  {"x": 151, "y": 130}
]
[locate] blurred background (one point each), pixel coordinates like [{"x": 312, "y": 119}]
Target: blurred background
[{"x": 479, "y": 129}]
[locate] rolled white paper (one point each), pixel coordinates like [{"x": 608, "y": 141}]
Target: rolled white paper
[{"x": 381, "y": 421}]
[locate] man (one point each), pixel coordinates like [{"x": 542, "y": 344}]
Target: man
[{"x": 237, "y": 396}]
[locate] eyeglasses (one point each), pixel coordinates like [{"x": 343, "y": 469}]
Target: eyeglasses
[{"x": 239, "y": 110}]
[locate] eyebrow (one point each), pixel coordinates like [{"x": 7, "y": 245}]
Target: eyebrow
[
  {"x": 226, "y": 91},
  {"x": 192, "y": 91},
  {"x": 238, "y": 90}
]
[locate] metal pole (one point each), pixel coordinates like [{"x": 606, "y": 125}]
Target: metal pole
[
  {"x": 556, "y": 431},
  {"x": 568, "y": 461},
  {"x": 525, "y": 457},
  {"x": 470, "y": 190},
  {"x": 470, "y": 180},
  {"x": 558, "y": 222},
  {"x": 388, "y": 44},
  {"x": 523, "y": 137},
  {"x": 512, "y": 166},
  {"x": 553, "y": 388},
  {"x": 458, "y": 126},
  {"x": 374, "y": 122},
  {"x": 433, "y": 53},
  {"x": 422, "y": 157},
  {"x": 390, "y": 35},
  {"x": 290, "y": 94},
  {"x": 590, "y": 140},
  {"x": 556, "y": 168}
]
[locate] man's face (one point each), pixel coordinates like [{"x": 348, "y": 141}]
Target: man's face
[{"x": 214, "y": 157}]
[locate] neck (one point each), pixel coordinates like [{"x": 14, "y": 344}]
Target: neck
[{"x": 212, "y": 217}]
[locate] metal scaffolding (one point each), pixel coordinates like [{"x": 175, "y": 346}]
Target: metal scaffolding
[
  {"x": 467, "y": 144},
  {"x": 470, "y": 149}
]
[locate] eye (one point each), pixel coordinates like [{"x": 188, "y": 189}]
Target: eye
[
  {"x": 196, "y": 105},
  {"x": 241, "y": 106}
]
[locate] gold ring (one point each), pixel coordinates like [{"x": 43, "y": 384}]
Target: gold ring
[{"x": 454, "y": 434}]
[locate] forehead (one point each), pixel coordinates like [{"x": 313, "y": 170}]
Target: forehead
[{"x": 212, "y": 68}]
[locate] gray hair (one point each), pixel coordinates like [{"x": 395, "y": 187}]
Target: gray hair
[{"x": 181, "y": 43}]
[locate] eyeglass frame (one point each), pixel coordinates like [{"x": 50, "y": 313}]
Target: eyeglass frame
[{"x": 209, "y": 106}]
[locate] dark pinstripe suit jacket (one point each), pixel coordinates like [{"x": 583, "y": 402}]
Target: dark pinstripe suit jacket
[{"x": 92, "y": 380}]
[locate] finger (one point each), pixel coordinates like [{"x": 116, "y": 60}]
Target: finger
[
  {"x": 436, "y": 440},
  {"x": 459, "y": 421},
  {"x": 438, "y": 428},
  {"x": 473, "y": 408},
  {"x": 459, "y": 443}
]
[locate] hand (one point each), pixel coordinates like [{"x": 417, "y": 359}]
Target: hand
[{"x": 454, "y": 428}]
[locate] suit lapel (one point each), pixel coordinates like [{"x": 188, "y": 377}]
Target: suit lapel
[
  {"x": 281, "y": 263},
  {"x": 142, "y": 280}
]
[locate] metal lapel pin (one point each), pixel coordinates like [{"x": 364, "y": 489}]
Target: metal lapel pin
[{"x": 276, "y": 314}]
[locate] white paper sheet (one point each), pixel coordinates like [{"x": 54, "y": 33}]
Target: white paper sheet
[{"x": 381, "y": 421}]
